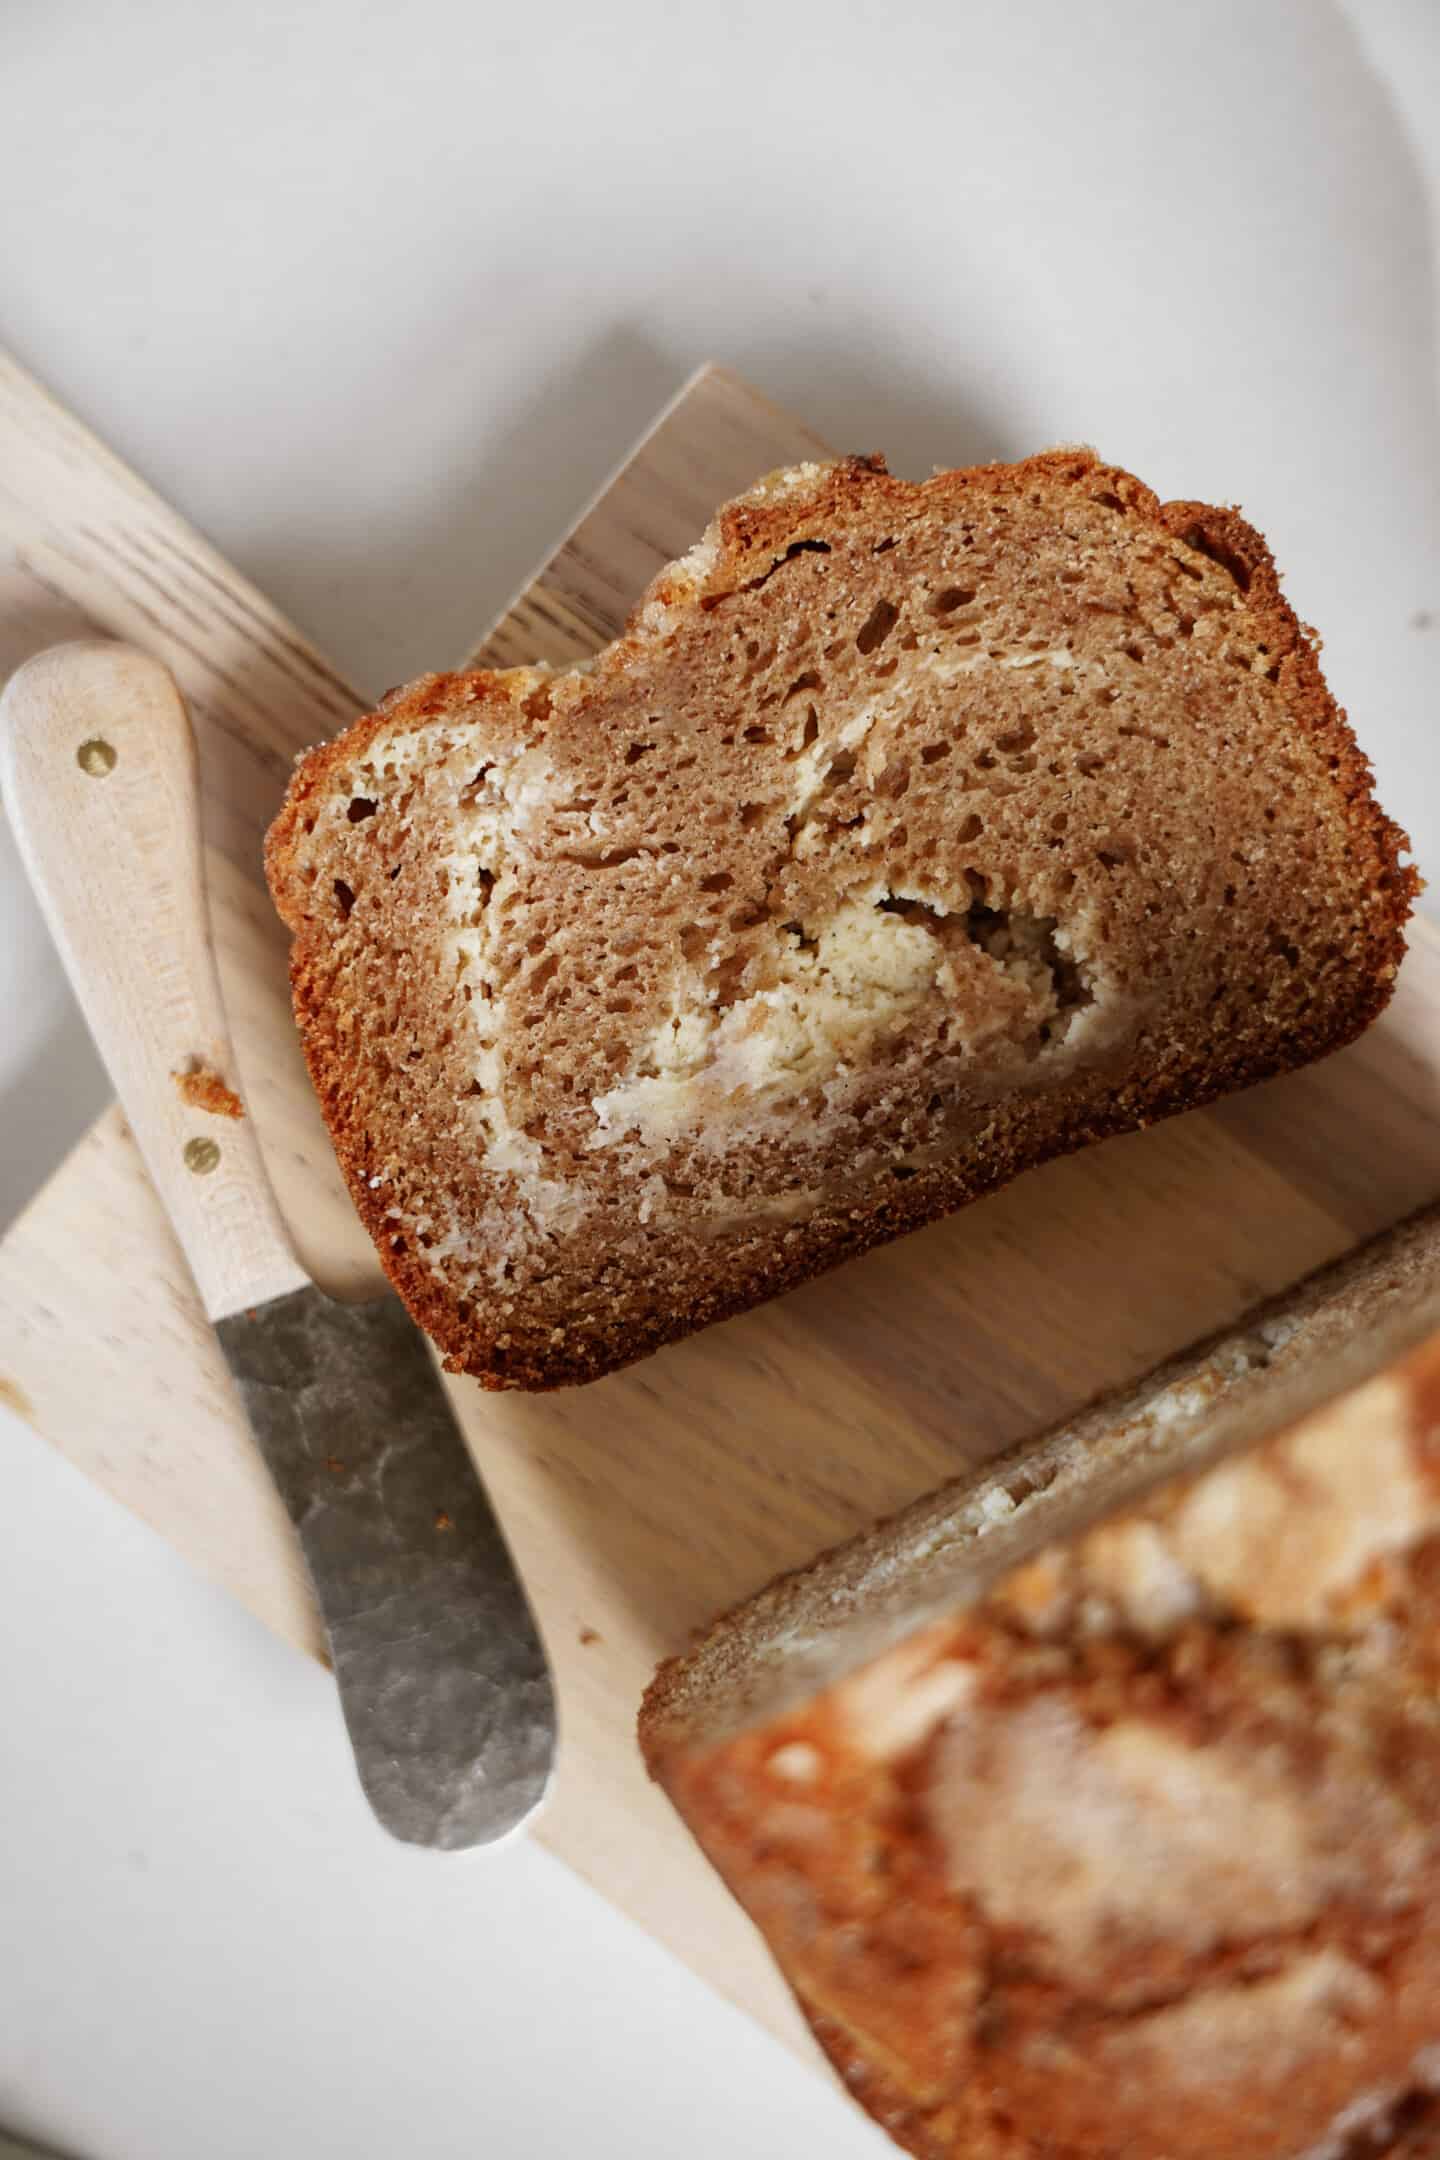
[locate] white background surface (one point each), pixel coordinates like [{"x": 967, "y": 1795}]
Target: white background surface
[{"x": 377, "y": 296}]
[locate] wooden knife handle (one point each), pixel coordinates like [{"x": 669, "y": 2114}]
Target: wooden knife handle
[{"x": 99, "y": 775}]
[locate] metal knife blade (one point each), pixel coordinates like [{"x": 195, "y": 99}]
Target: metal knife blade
[{"x": 442, "y": 1677}]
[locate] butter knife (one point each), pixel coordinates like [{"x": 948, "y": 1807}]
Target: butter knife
[{"x": 443, "y": 1679}]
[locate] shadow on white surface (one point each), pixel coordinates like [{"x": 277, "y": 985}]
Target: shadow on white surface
[
  {"x": 224, "y": 1955},
  {"x": 52, "y": 1084},
  {"x": 489, "y": 505},
  {"x": 503, "y": 495}
]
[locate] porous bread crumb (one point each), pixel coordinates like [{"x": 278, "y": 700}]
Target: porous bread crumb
[
  {"x": 911, "y": 834},
  {"x": 1157, "y": 1839}
]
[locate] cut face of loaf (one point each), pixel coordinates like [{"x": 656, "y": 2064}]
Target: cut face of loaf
[
  {"x": 1092, "y": 1817},
  {"x": 910, "y": 835}
]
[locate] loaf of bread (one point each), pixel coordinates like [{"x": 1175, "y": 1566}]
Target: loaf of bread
[
  {"x": 910, "y": 835},
  {"x": 1091, "y": 1807}
]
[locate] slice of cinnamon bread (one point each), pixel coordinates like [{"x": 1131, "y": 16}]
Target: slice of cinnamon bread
[
  {"x": 910, "y": 835},
  {"x": 1091, "y": 1806}
]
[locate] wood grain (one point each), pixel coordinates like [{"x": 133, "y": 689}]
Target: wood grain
[
  {"x": 100, "y": 780},
  {"x": 647, "y": 513},
  {"x": 640, "y": 1506}
]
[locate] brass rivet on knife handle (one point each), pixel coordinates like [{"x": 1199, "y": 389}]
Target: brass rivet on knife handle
[
  {"x": 442, "y": 1676},
  {"x": 96, "y": 757}
]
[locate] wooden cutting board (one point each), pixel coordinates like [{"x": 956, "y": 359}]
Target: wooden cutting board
[{"x": 642, "y": 1505}]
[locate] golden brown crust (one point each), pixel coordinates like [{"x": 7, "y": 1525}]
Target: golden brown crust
[
  {"x": 750, "y": 539},
  {"x": 1157, "y": 1869}
]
